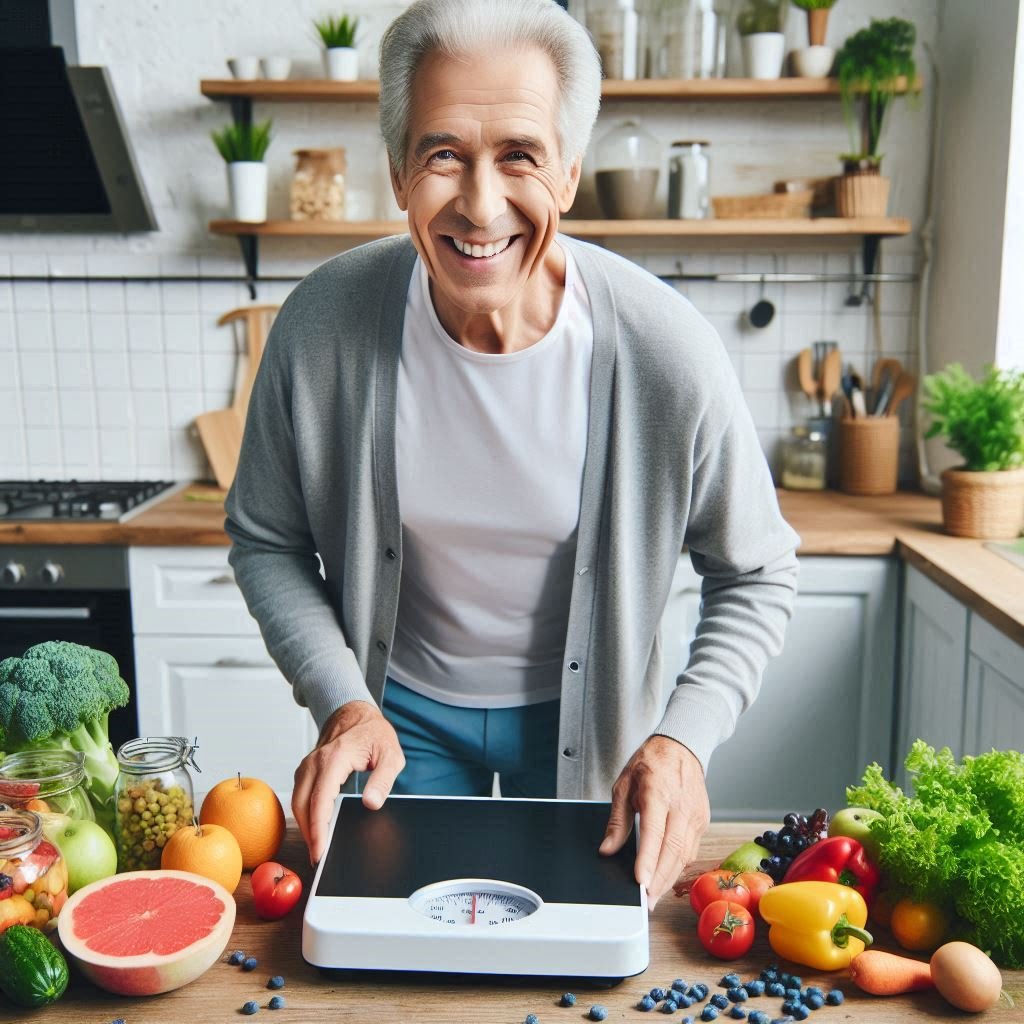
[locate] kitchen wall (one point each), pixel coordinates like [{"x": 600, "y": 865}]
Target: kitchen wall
[{"x": 105, "y": 378}]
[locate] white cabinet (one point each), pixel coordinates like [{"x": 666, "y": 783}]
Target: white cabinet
[
  {"x": 827, "y": 704},
  {"x": 963, "y": 680},
  {"x": 203, "y": 671}
]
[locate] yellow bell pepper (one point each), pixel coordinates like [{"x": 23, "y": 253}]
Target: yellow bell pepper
[{"x": 818, "y": 924}]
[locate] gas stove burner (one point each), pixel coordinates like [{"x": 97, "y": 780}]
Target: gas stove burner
[{"x": 112, "y": 500}]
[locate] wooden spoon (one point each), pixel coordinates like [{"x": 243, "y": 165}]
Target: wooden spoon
[
  {"x": 805, "y": 374},
  {"x": 831, "y": 375},
  {"x": 903, "y": 388}
]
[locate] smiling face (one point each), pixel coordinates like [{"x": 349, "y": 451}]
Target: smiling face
[{"x": 484, "y": 184}]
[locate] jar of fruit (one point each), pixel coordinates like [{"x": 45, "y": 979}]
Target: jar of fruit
[
  {"x": 33, "y": 876},
  {"x": 49, "y": 782},
  {"x": 153, "y": 796}
]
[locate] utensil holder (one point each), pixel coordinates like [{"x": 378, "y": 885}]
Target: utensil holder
[{"x": 869, "y": 455}]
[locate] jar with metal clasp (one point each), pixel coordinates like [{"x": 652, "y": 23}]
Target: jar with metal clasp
[
  {"x": 804, "y": 460},
  {"x": 49, "y": 782},
  {"x": 153, "y": 796}
]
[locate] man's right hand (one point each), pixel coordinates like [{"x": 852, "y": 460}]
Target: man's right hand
[{"x": 356, "y": 738}]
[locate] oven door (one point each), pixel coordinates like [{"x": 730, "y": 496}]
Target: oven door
[{"x": 99, "y": 619}]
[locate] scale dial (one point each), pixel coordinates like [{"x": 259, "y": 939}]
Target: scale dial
[{"x": 480, "y": 901}]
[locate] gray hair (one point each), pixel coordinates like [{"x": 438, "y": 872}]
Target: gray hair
[{"x": 462, "y": 28}]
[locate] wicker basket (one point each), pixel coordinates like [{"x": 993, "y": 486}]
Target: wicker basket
[
  {"x": 862, "y": 195},
  {"x": 773, "y": 205},
  {"x": 984, "y": 505},
  {"x": 869, "y": 455}
]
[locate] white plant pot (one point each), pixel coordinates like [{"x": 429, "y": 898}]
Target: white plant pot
[
  {"x": 763, "y": 53},
  {"x": 814, "y": 61},
  {"x": 342, "y": 63},
  {"x": 247, "y": 188}
]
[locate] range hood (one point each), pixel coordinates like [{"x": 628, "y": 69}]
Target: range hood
[{"x": 67, "y": 163}]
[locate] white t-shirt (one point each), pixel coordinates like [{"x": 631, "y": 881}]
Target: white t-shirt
[{"x": 490, "y": 452}]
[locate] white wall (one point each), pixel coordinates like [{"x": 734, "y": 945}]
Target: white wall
[{"x": 105, "y": 379}]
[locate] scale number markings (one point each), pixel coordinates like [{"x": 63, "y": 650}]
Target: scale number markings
[{"x": 489, "y": 904}]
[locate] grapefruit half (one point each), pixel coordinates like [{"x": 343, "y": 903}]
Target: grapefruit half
[{"x": 146, "y": 932}]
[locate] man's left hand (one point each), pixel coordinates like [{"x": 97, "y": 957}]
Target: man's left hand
[{"x": 664, "y": 782}]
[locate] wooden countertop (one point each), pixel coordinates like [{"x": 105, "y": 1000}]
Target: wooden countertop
[
  {"x": 311, "y": 997},
  {"x": 906, "y": 524}
]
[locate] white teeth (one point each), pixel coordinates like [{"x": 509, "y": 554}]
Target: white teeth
[{"x": 481, "y": 251}]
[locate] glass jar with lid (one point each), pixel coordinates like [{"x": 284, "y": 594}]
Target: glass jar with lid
[
  {"x": 49, "y": 782},
  {"x": 33, "y": 875},
  {"x": 804, "y": 460},
  {"x": 153, "y": 798},
  {"x": 689, "y": 180},
  {"x": 627, "y": 161},
  {"x": 318, "y": 185}
]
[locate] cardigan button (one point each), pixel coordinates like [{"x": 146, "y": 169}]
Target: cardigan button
[
  {"x": 391, "y": 554},
  {"x": 381, "y": 646},
  {"x": 568, "y": 752},
  {"x": 574, "y": 666}
]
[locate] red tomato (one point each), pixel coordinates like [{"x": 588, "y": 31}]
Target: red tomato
[
  {"x": 757, "y": 884},
  {"x": 275, "y": 890},
  {"x": 719, "y": 884},
  {"x": 725, "y": 929}
]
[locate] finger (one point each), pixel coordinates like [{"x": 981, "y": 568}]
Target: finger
[
  {"x": 671, "y": 857},
  {"x": 326, "y": 786},
  {"x": 300, "y": 800},
  {"x": 620, "y": 819},
  {"x": 382, "y": 779},
  {"x": 653, "y": 819}
]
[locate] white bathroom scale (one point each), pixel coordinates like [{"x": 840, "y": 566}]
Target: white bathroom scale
[{"x": 476, "y": 885}]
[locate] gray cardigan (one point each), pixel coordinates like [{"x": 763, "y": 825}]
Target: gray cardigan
[{"x": 672, "y": 459}]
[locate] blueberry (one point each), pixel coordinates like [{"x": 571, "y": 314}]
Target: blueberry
[
  {"x": 794, "y": 995},
  {"x": 276, "y": 982},
  {"x": 708, "y": 1013},
  {"x": 813, "y": 990},
  {"x": 684, "y": 1001},
  {"x": 776, "y": 988},
  {"x": 597, "y": 1012},
  {"x": 531, "y": 1018},
  {"x": 669, "y": 1006},
  {"x": 276, "y": 1003},
  {"x": 754, "y": 987},
  {"x": 737, "y": 1013},
  {"x": 789, "y": 1006},
  {"x": 770, "y": 974},
  {"x": 758, "y": 1017},
  {"x": 719, "y": 1000},
  {"x": 568, "y": 999},
  {"x": 657, "y": 994},
  {"x": 793, "y": 981},
  {"x": 698, "y": 991},
  {"x": 834, "y": 998},
  {"x": 250, "y": 963},
  {"x": 815, "y": 1001},
  {"x": 801, "y": 1012},
  {"x": 646, "y": 1004},
  {"x": 250, "y": 1008},
  {"x": 730, "y": 981},
  {"x": 120, "y": 1020},
  {"x": 679, "y": 984},
  {"x": 236, "y": 958}
]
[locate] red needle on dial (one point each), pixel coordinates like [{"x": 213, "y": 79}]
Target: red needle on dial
[{"x": 472, "y": 918}]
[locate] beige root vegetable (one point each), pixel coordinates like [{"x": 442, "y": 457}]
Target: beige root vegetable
[{"x": 966, "y": 977}]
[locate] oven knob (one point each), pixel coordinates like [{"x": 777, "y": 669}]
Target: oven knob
[
  {"x": 13, "y": 573},
  {"x": 51, "y": 572}
]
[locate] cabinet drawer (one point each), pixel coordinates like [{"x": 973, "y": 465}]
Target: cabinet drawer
[
  {"x": 228, "y": 693},
  {"x": 186, "y": 592}
]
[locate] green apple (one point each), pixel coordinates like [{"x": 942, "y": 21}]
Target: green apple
[
  {"x": 747, "y": 857},
  {"x": 89, "y": 853},
  {"x": 855, "y": 823}
]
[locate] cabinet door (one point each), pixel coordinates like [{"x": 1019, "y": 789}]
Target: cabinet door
[
  {"x": 933, "y": 666},
  {"x": 994, "y": 711},
  {"x": 227, "y": 692},
  {"x": 826, "y": 706}
]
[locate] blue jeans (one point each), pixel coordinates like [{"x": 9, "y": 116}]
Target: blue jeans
[{"x": 451, "y": 751}]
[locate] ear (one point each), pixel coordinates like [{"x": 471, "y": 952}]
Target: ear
[
  {"x": 572, "y": 184},
  {"x": 398, "y": 187}
]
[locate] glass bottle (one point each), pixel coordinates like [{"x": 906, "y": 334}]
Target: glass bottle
[
  {"x": 153, "y": 796},
  {"x": 804, "y": 460},
  {"x": 615, "y": 28},
  {"x": 318, "y": 185},
  {"x": 49, "y": 782},
  {"x": 33, "y": 875},
  {"x": 689, "y": 180},
  {"x": 627, "y": 162},
  {"x": 694, "y": 37}
]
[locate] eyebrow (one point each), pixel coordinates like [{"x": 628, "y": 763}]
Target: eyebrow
[{"x": 432, "y": 139}]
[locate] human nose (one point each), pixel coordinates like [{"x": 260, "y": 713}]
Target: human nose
[{"x": 482, "y": 197}]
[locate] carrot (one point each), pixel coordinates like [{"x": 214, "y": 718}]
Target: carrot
[{"x": 886, "y": 974}]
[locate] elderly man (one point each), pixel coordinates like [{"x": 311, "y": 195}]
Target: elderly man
[{"x": 498, "y": 441}]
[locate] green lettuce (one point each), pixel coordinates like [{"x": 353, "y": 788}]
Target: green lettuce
[{"x": 957, "y": 841}]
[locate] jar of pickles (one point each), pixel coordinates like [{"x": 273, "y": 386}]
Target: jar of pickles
[
  {"x": 49, "y": 782},
  {"x": 153, "y": 796},
  {"x": 33, "y": 876}
]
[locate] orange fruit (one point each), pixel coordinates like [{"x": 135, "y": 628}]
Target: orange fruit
[
  {"x": 250, "y": 811},
  {"x": 207, "y": 850}
]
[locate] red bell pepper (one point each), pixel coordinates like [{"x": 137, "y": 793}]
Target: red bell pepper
[{"x": 837, "y": 859}]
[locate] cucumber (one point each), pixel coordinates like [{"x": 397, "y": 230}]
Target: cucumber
[{"x": 33, "y": 972}]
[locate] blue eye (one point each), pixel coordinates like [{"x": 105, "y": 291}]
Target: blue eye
[
  {"x": 517, "y": 154},
  {"x": 443, "y": 154}
]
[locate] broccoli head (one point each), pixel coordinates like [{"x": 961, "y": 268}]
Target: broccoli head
[{"x": 59, "y": 695}]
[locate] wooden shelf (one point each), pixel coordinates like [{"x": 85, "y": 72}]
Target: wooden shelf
[
  {"x": 325, "y": 91},
  {"x": 818, "y": 227}
]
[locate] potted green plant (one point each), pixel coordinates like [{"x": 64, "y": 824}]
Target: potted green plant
[
  {"x": 983, "y": 420},
  {"x": 815, "y": 60},
  {"x": 760, "y": 24},
  {"x": 873, "y": 65},
  {"x": 243, "y": 147},
  {"x": 341, "y": 58}
]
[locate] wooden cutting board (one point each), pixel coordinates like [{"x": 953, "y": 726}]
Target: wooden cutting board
[{"x": 221, "y": 430}]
